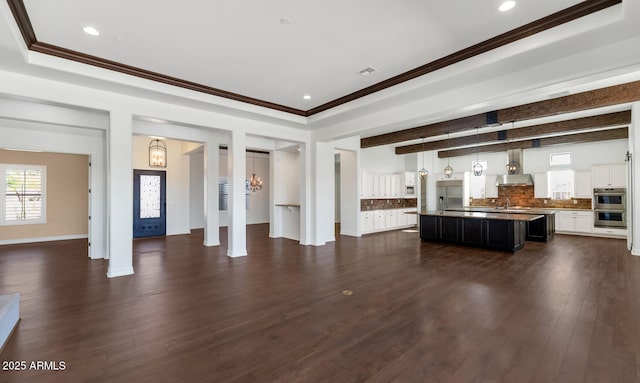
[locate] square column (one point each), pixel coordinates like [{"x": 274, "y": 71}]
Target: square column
[
  {"x": 120, "y": 194},
  {"x": 237, "y": 226},
  {"x": 633, "y": 182},
  {"x": 211, "y": 212}
]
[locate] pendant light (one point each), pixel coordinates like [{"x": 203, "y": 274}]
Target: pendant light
[
  {"x": 448, "y": 171},
  {"x": 157, "y": 154},
  {"x": 423, "y": 172},
  {"x": 255, "y": 183},
  {"x": 477, "y": 167},
  {"x": 513, "y": 167}
]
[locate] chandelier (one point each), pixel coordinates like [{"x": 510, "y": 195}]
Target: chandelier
[
  {"x": 157, "y": 154},
  {"x": 255, "y": 183}
]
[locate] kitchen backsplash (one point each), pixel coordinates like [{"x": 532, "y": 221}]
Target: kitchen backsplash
[
  {"x": 386, "y": 204},
  {"x": 523, "y": 196}
]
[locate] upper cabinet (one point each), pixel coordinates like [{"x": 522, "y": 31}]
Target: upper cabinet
[
  {"x": 541, "y": 185},
  {"x": 409, "y": 179},
  {"x": 382, "y": 186},
  {"x": 477, "y": 186},
  {"x": 491, "y": 188},
  {"x": 582, "y": 184},
  {"x": 609, "y": 176}
]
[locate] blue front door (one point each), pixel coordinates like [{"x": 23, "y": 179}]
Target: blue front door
[{"x": 149, "y": 203}]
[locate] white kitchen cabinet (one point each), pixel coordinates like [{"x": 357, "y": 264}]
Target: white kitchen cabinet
[
  {"x": 372, "y": 221},
  {"x": 582, "y": 184},
  {"x": 391, "y": 218},
  {"x": 375, "y": 186},
  {"x": 410, "y": 219},
  {"x": 383, "y": 186},
  {"x": 477, "y": 186},
  {"x": 541, "y": 185},
  {"x": 366, "y": 191},
  {"x": 379, "y": 220},
  {"x": 618, "y": 175},
  {"x": 490, "y": 188},
  {"x": 409, "y": 179},
  {"x": 396, "y": 186},
  {"x": 366, "y": 221},
  {"x": 574, "y": 221},
  {"x": 610, "y": 232},
  {"x": 609, "y": 176}
]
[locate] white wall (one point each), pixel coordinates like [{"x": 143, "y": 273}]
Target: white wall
[
  {"x": 287, "y": 187},
  {"x": 196, "y": 190},
  {"x": 583, "y": 156},
  {"x": 381, "y": 159}
]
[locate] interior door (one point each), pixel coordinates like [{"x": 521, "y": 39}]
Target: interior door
[{"x": 149, "y": 203}]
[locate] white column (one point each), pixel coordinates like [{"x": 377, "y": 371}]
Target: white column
[
  {"x": 275, "y": 230},
  {"x": 633, "y": 188},
  {"x": 305, "y": 195},
  {"x": 237, "y": 229},
  {"x": 211, "y": 213},
  {"x": 324, "y": 193},
  {"x": 120, "y": 194}
]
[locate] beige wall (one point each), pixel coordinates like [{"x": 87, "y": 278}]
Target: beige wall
[{"x": 66, "y": 195}]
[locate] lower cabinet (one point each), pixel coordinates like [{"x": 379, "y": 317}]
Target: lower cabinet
[
  {"x": 381, "y": 220},
  {"x": 572, "y": 221},
  {"x": 508, "y": 235}
]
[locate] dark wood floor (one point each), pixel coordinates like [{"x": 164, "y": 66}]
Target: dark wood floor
[{"x": 564, "y": 311}]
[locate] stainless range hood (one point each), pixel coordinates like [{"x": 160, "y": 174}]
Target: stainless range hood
[
  {"x": 517, "y": 179},
  {"x": 514, "y": 180}
]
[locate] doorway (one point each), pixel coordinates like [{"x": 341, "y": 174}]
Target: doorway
[{"x": 149, "y": 203}]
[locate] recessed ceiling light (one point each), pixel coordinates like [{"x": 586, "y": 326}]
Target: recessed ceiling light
[
  {"x": 306, "y": 97},
  {"x": 507, "y": 5},
  {"x": 91, "y": 31}
]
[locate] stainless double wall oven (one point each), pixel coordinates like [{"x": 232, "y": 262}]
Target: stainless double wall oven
[{"x": 610, "y": 207}]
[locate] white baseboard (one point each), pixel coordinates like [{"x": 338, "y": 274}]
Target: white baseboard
[
  {"x": 236, "y": 254},
  {"x": 42, "y": 239},
  {"x": 119, "y": 273}
]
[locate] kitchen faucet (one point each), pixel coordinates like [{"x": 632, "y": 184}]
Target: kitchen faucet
[{"x": 508, "y": 203}]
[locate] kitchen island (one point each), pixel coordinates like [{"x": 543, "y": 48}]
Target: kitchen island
[
  {"x": 539, "y": 230},
  {"x": 502, "y": 231}
]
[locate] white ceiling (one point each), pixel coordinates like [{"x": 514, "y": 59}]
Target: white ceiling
[{"x": 241, "y": 46}]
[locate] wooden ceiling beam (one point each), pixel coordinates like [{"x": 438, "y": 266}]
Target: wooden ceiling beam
[
  {"x": 599, "y": 121},
  {"x": 451, "y": 126},
  {"x": 601, "y": 135},
  {"x": 597, "y": 98}
]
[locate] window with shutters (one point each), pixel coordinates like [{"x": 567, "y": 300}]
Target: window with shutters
[{"x": 23, "y": 194}]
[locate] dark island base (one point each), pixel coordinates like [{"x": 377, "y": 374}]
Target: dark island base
[{"x": 507, "y": 235}]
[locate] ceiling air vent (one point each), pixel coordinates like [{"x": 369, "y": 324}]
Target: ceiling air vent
[{"x": 367, "y": 71}]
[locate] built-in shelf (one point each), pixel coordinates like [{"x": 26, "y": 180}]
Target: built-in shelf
[{"x": 288, "y": 204}]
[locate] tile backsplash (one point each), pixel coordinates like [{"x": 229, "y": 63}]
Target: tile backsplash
[
  {"x": 523, "y": 196},
  {"x": 385, "y": 204}
]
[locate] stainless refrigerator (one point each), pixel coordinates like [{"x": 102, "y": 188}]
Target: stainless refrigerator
[{"x": 449, "y": 194}]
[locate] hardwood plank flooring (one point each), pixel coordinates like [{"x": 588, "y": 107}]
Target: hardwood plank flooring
[{"x": 564, "y": 311}]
